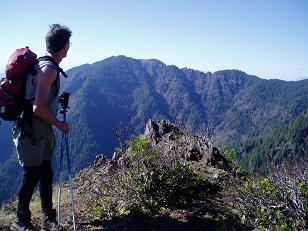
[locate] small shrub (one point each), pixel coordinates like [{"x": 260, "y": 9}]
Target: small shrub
[{"x": 144, "y": 181}]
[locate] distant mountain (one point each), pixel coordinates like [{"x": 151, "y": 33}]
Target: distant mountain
[
  {"x": 123, "y": 90},
  {"x": 287, "y": 143},
  {"x": 238, "y": 106}
]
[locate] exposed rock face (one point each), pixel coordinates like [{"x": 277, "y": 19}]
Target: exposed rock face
[{"x": 171, "y": 140}]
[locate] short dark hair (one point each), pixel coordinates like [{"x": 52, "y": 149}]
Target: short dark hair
[{"x": 56, "y": 38}]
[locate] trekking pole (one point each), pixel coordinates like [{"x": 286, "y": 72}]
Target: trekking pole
[
  {"x": 60, "y": 180},
  {"x": 64, "y": 102},
  {"x": 70, "y": 180}
]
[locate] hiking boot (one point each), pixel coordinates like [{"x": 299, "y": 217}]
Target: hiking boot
[
  {"x": 20, "y": 226},
  {"x": 49, "y": 221}
]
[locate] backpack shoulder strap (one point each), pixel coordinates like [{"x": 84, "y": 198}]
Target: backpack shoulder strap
[
  {"x": 59, "y": 70},
  {"x": 50, "y": 59}
]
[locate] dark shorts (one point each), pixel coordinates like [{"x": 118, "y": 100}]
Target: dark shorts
[{"x": 32, "y": 151}]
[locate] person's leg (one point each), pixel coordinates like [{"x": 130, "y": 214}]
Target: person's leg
[
  {"x": 48, "y": 219},
  {"x": 45, "y": 186},
  {"x": 49, "y": 215},
  {"x": 29, "y": 181}
]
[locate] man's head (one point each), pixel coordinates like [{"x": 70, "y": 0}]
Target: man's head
[{"x": 58, "y": 38}]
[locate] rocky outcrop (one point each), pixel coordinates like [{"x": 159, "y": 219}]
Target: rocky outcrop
[
  {"x": 173, "y": 141},
  {"x": 177, "y": 145},
  {"x": 169, "y": 140}
]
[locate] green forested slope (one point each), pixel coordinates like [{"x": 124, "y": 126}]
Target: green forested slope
[{"x": 287, "y": 143}]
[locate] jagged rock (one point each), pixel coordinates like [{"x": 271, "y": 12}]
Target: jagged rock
[
  {"x": 116, "y": 157},
  {"x": 99, "y": 160},
  {"x": 171, "y": 140},
  {"x": 155, "y": 132},
  {"x": 193, "y": 153},
  {"x": 152, "y": 131},
  {"x": 218, "y": 160}
]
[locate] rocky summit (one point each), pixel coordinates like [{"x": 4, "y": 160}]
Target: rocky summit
[
  {"x": 206, "y": 206},
  {"x": 172, "y": 141}
]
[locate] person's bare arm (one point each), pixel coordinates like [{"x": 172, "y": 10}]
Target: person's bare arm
[{"x": 45, "y": 77}]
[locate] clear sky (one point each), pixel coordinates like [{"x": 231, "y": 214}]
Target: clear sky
[{"x": 267, "y": 38}]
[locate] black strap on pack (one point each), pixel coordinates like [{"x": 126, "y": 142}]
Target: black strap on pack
[
  {"x": 25, "y": 121},
  {"x": 59, "y": 69},
  {"x": 49, "y": 58}
]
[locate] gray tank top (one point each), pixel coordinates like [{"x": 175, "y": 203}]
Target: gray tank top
[{"x": 53, "y": 100}]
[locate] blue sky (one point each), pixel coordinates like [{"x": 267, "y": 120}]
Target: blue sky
[{"x": 267, "y": 38}]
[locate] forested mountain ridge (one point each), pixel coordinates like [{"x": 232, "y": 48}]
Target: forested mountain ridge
[{"x": 235, "y": 104}]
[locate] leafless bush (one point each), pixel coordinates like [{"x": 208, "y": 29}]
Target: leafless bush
[
  {"x": 208, "y": 132},
  {"x": 120, "y": 130},
  {"x": 276, "y": 201}
]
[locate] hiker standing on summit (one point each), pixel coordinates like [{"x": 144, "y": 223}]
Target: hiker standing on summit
[{"x": 34, "y": 139}]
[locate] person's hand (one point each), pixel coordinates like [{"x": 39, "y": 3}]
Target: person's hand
[{"x": 63, "y": 126}]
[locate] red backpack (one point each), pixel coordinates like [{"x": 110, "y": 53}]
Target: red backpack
[{"x": 12, "y": 87}]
